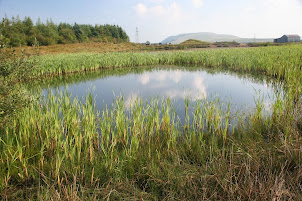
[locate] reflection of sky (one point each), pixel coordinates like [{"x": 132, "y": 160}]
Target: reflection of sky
[
  {"x": 176, "y": 84},
  {"x": 160, "y": 76},
  {"x": 168, "y": 82},
  {"x": 130, "y": 100}
]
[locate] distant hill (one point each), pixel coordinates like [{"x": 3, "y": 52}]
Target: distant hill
[
  {"x": 194, "y": 42},
  {"x": 211, "y": 37}
]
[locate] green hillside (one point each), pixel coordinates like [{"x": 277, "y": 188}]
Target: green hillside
[{"x": 194, "y": 42}]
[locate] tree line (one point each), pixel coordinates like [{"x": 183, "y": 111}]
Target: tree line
[{"x": 16, "y": 32}]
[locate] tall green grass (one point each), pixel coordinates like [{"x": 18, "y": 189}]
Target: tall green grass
[
  {"x": 63, "y": 148},
  {"x": 284, "y": 63},
  {"x": 57, "y": 140},
  {"x": 273, "y": 61}
]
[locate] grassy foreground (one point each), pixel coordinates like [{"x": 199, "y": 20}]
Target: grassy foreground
[{"x": 65, "y": 149}]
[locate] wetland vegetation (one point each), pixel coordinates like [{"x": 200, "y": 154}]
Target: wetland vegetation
[{"x": 59, "y": 147}]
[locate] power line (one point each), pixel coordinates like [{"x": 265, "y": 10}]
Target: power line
[{"x": 136, "y": 36}]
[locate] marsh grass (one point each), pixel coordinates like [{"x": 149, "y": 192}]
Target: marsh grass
[
  {"x": 67, "y": 149},
  {"x": 70, "y": 147},
  {"x": 273, "y": 61}
]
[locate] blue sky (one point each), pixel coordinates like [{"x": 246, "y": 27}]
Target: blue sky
[{"x": 158, "y": 19}]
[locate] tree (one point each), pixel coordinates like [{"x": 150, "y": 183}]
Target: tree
[
  {"x": 29, "y": 31},
  {"x": 78, "y": 32},
  {"x": 67, "y": 36},
  {"x": 15, "y": 32}
]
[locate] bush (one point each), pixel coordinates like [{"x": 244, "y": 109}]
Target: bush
[{"x": 13, "y": 70}]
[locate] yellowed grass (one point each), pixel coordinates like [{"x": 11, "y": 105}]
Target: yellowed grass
[{"x": 81, "y": 47}]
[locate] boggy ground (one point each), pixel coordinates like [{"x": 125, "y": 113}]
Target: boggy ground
[
  {"x": 99, "y": 47},
  {"x": 54, "y": 151}
]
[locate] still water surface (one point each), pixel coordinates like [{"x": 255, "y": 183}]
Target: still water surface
[{"x": 174, "y": 82}]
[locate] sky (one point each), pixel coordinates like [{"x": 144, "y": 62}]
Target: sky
[{"x": 159, "y": 19}]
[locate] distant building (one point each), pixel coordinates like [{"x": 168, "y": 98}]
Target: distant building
[{"x": 287, "y": 39}]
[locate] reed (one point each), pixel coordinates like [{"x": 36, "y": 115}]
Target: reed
[
  {"x": 64, "y": 148},
  {"x": 282, "y": 63},
  {"x": 61, "y": 138},
  {"x": 273, "y": 61}
]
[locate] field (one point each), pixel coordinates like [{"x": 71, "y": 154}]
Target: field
[
  {"x": 67, "y": 149},
  {"x": 99, "y": 47}
]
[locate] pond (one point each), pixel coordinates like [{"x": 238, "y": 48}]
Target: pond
[{"x": 177, "y": 83}]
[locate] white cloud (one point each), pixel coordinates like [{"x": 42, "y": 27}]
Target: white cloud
[
  {"x": 197, "y": 92},
  {"x": 272, "y": 18},
  {"x": 175, "y": 76},
  {"x": 265, "y": 18},
  {"x": 166, "y": 82},
  {"x": 157, "y": 10},
  {"x": 156, "y": 1},
  {"x": 173, "y": 10},
  {"x": 144, "y": 79},
  {"x": 159, "y": 86},
  {"x": 197, "y": 3},
  {"x": 200, "y": 88},
  {"x": 140, "y": 9},
  {"x": 130, "y": 101},
  {"x": 160, "y": 76},
  {"x": 162, "y": 20},
  {"x": 175, "y": 94}
]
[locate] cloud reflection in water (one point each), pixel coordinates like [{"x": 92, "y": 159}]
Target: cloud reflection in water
[{"x": 168, "y": 83}]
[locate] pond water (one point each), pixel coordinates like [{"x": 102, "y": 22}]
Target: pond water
[{"x": 162, "y": 82}]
